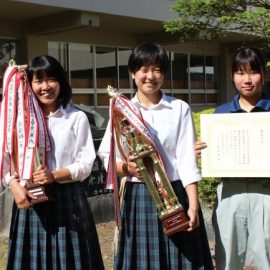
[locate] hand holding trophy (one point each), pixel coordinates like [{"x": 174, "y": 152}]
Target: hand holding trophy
[{"x": 25, "y": 139}]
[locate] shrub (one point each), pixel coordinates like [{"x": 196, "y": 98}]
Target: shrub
[{"x": 207, "y": 187}]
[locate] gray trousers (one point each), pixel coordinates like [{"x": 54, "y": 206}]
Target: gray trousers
[{"x": 241, "y": 219}]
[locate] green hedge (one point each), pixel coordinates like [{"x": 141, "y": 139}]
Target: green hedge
[{"x": 207, "y": 187}]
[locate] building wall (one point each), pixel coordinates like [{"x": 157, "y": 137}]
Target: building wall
[
  {"x": 38, "y": 44},
  {"x": 11, "y": 29},
  {"x": 148, "y": 9},
  {"x": 146, "y": 12}
]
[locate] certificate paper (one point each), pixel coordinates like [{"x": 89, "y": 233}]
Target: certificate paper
[{"x": 238, "y": 144}]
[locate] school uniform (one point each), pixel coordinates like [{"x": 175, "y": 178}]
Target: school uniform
[
  {"x": 242, "y": 213},
  {"x": 60, "y": 234},
  {"x": 142, "y": 242}
]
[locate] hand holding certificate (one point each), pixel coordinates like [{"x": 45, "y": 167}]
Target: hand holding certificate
[{"x": 238, "y": 145}]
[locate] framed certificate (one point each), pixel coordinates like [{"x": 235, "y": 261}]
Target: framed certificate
[{"x": 238, "y": 144}]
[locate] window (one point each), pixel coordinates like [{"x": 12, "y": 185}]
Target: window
[
  {"x": 211, "y": 79},
  {"x": 106, "y": 67},
  {"x": 197, "y": 72},
  {"x": 125, "y": 79},
  {"x": 91, "y": 68},
  {"x": 60, "y": 52},
  {"x": 81, "y": 65},
  {"x": 194, "y": 79},
  {"x": 8, "y": 50},
  {"x": 179, "y": 71}
]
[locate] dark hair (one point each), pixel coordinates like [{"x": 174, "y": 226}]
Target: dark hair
[
  {"x": 249, "y": 57},
  {"x": 146, "y": 54},
  {"x": 48, "y": 67}
]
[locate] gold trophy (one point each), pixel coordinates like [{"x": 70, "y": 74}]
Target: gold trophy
[{"x": 170, "y": 211}]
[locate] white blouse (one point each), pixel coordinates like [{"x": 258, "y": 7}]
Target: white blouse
[
  {"x": 171, "y": 125},
  {"x": 71, "y": 143}
]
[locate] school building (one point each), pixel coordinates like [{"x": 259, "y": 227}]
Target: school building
[{"x": 93, "y": 39}]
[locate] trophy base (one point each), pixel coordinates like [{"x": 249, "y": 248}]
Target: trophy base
[
  {"x": 42, "y": 192},
  {"x": 175, "y": 222}
]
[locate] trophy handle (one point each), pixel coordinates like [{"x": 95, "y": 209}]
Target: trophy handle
[
  {"x": 151, "y": 187},
  {"x": 37, "y": 162},
  {"x": 42, "y": 192},
  {"x": 165, "y": 182}
]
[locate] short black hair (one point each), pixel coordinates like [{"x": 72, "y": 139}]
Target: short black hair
[
  {"x": 146, "y": 54},
  {"x": 252, "y": 57},
  {"x": 46, "y": 66}
]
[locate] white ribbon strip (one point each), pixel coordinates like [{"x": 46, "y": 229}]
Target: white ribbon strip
[{"x": 23, "y": 126}]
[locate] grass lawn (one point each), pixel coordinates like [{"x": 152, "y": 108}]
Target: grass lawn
[{"x": 3, "y": 253}]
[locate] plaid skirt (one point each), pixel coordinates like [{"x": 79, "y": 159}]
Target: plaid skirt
[
  {"x": 142, "y": 243},
  {"x": 58, "y": 235}
]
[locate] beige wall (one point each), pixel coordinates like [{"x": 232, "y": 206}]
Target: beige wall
[
  {"x": 96, "y": 36},
  {"x": 11, "y": 29},
  {"x": 36, "y": 45},
  {"x": 200, "y": 47}
]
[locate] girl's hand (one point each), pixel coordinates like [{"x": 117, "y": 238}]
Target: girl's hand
[
  {"x": 133, "y": 168},
  {"x": 199, "y": 145},
  {"x": 21, "y": 195},
  {"x": 22, "y": 68},
  {"x": 193, "y": 219},
  {"x": 43, "y": 176},
  {"x": 192, "y": 193}
]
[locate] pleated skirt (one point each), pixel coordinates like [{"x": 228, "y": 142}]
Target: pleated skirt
[
  {"x": 58, "y": 235},
  {"x": 143, "y": 244}
]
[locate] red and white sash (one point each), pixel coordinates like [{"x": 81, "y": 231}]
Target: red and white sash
[
  {"x": 119, "y": 103},
  {"x": 23, "y": 126},
  {"x": 129, "y": 111}
]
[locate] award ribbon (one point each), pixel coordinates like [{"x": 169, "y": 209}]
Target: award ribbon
[{"x": 25, "y": 125}]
